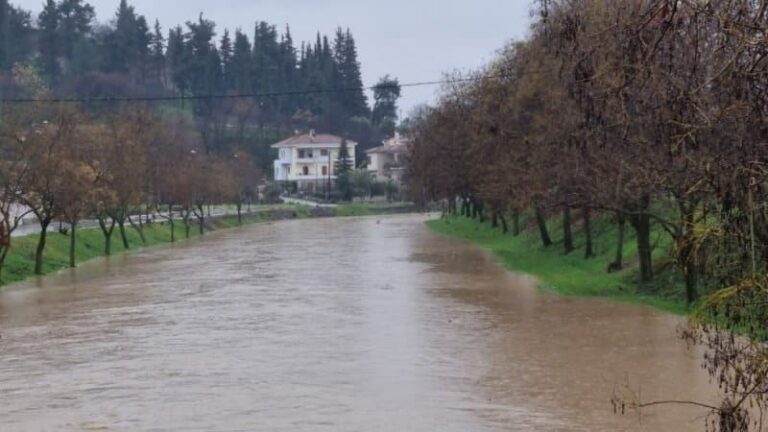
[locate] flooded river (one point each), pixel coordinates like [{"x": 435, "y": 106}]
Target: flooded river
[{"x": 329, "y": 325}]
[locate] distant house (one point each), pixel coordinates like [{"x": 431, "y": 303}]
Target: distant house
[
  {"x": 309, "y": 160},
  {"x": 387, "y": 161}
]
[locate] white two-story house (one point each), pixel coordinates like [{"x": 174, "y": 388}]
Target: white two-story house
[
  {"x": 386, "y": 162},
  {"x": 309, "y": 160}
]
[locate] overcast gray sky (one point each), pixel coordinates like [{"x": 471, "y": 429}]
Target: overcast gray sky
[{"x": 414, "y": 40}]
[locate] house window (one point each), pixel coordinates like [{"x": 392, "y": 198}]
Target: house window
[
  {"x": 310, "y": 154},
  {"x": 301, "y": 154},
  {"x": 325, "y": 170},
  {"x": 323, "y": 152},
  {"x": 305, "y": 171}
]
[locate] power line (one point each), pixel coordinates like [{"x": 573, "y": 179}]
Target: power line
[{"x": 239, "y": 96}]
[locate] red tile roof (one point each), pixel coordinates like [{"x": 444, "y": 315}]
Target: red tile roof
[{"x": 312, "y": 139}]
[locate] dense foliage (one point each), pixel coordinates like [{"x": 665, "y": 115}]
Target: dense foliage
[
  {"x": 130, "y": 57},
  {"x": 650, "y": 112}
]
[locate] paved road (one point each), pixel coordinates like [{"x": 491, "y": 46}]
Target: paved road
[
  {"x": 299, "y": 201},
  {"x": 30, "y": 225}
]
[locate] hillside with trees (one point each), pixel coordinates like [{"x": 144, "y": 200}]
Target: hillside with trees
[{"x": 314, "y": 84}]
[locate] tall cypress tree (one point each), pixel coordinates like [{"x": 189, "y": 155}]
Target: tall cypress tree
[
  {"x": 356, "y": 102},
  {"x": 226, "y": 53}
]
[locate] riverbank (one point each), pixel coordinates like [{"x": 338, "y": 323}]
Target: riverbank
[
  {"x": 571, "y": 274},
  {"x": 19, "y": 264}
]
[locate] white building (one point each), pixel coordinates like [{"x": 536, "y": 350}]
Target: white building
[
  {"x": 310, "y": 159},
  {"x": 387, "y": 162}
]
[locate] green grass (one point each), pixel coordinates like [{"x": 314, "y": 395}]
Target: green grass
[
  {"x": 368, "y": 209},
  {"x": 573, "y": 274}
]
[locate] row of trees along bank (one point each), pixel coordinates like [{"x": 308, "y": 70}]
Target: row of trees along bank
[
  {"x": 64, "y": 162},
  {"x": 651, "y": 112}
]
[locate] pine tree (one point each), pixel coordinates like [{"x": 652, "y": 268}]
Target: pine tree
[
  {"x": 128, "y": 44},
  {"x": 356, "y": 101},
  {"x": 157, "y": 54},
  {"x": 241, "y": 66},
  {"x": 48, "y": 23},
  {"x": 177, "y": 59},
  {"x": 4, "y": 32},
  {"x": 226, "y": 53},
  {"x": 75, "y": 17},
  {"x": 15, "y": 35}
]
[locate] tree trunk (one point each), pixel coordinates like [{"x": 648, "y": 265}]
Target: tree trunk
[
  {"x": 687, "y": 247},
  {"x": 239, "y": 213},
  {"x": 172, "y": 222},
  {"x": 139, "y": 229},
  {"x": 107, "y": 234},
  {"x": 504, "y": 226},
  {"x": 123, "y": 236},
  {"x": 494, "y": 219},
  {"x": 618, "y": 264},
  {"x": 691, "y": 280},
  {"x": 590, "y": 249},
  {"x": 72, "y": 242},
  {"x": 41, "y": 246},
  {"x": 542, "y": 223},
  {"x": 642, "y": 225},
  {"x": 516, "y": 223},
  {"x": 567, "y": 230}
]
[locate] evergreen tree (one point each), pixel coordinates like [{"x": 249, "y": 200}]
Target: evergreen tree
[
  {"x": 288, "y": 76},
  {"x": 48, "y": 24},
  {"x": 15, "y": 35},
  {"x": 205, "y": 78},
  {"x": 226, "y": 53},
  {"x": 157, "y": 53},
  {"x": 128, "y": 44},
  {"x": 74, "y": 24},
  {"x": 343, "y": 170},
  {"x": 266, "y": 53},
  {"x": 353, "y": 99},
  {"x": 384, "y": 114},
  {"x": 177, "y": 59},
  {"x": 4, "y": 32},
  {"x": 241, "y": 64}
]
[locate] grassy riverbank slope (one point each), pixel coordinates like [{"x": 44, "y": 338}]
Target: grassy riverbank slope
[
  {"x": 572, "y": 274},
  {"x": 19, "y": 264}
]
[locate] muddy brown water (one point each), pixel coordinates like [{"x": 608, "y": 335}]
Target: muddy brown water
[{"x": 361, "y": 324}]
